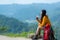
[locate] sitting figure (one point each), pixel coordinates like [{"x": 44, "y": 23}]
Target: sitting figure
[{"x": 45, "y": 24}]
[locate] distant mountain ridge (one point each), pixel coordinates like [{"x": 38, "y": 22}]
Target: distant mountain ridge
[
  {"x": 28, "y": 11},
  {"x": 12, "y": 25}
]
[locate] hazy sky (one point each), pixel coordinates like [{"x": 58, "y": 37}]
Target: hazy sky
[{"x": 27, "y": 1}]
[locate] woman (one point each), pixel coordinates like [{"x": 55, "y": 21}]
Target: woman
[{"x": 43, "y": 23}]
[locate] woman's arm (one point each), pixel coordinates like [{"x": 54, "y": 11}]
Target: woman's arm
[
  {"x": 43, "y": 22},
  {"x": 39, "y": 21}
]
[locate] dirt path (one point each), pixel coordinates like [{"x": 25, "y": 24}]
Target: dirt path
[{"x": 13, "y": 38}]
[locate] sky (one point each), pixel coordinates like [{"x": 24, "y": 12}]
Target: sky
[{"x": 27, "y": 1}]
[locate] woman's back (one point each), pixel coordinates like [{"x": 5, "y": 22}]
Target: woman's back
[{"x": 45, "y": 21}]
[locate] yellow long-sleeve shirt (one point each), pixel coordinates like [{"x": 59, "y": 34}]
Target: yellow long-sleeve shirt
[{"x": 45, "y": 21}]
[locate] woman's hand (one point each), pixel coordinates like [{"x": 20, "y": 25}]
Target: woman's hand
[
  {"x": 40, "y": 27},
  {"x": 37, "y": 18}
]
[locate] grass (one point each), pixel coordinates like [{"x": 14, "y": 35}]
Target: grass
[{"x": 23, "y": 34}]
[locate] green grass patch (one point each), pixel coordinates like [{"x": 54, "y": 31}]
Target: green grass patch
[{"x": 23, "y": 34}]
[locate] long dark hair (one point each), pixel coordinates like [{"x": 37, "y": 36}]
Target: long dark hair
[{"x": 43, "y": 14}]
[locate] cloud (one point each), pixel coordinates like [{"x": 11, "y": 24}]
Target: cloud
[
  {"x": 6, "y": 1},
  {"x": 27, "y": 1},
  {"x": 30, "y": 21},
  {"x": 35, "y": 1}
]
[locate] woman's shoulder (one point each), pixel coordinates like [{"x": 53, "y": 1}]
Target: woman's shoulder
[{"x": 45, "y": 16}]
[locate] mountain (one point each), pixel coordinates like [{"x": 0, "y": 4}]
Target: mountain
[
  {"x": 28, "y": 11},
  {"x": 12, "y": 25}
]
